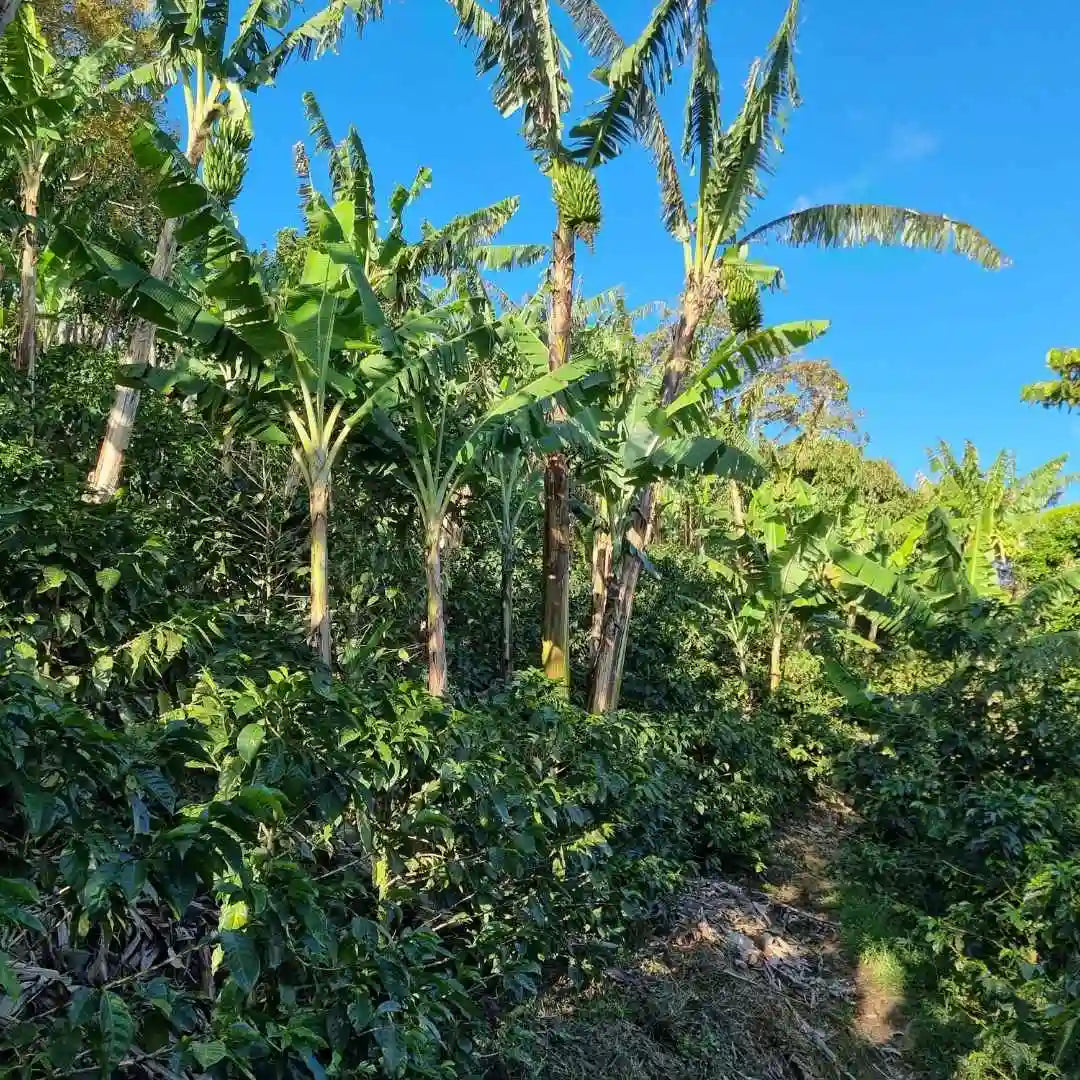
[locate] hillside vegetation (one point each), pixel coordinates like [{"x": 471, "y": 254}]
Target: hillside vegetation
[{"x": 399, "y": 680}]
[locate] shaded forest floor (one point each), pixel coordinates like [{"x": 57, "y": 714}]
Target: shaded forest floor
[{"x": 750, "y": 980}]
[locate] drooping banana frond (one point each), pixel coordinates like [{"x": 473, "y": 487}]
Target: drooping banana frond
[
  {"x": 521, "y": 46},
  {"x": 1062, "y": 585},
  {"x": 858, "y": 224},
  {"x": 317, "y": 125},
  {"x": 595, "y": 29},
  {"x": 231, "y": 316},
  {"x": 893, "y": 599},
  {"x": 699, "y": 456},
  {"x": 743, "y": 151},
  {"x": 702, "y": 121},
  {"x": 737, "y": 356},
  {"x": 634, "y": 74},
  {"x": 475, "y": 22},
  {"x": 252, "y": 62},
  {"x": 41, "y": 96},
  {"x": 464, "y": 243},
  {"x": 510, "y": 256},
  {"x": 661, "y": 45}
]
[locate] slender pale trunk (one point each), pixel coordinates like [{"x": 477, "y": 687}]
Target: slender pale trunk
[
  {"x": 26, "y": 350},
  {"x": 872, "y": 635},
  {"x": 622, "y": 587},
  {"x": 601, "y": 571},
  {"x": 506, "y": 594},
  {"x": 738, "y": 513},
  {"x": 775, "y": 658},
  {"x": 105, "y": 477},
  {"x": 606, "y": 680},
  {"x": 436, "y": 615},
  {"x": 319, "y": 609},
  {"x": 555, "y": 632}
]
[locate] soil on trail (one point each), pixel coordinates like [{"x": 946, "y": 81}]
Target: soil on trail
[{"x": 751, "y": 982}]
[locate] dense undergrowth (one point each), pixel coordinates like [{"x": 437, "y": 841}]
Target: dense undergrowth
[
  {"x": 966, "y": 869},
  {"x": 216, "y": 859},
  {"x": 354, "y": 876}
]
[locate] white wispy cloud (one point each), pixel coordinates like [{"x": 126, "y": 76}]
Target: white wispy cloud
[
  {"x": 907, "y": 145},
  {"x": 909, "y": 142}
]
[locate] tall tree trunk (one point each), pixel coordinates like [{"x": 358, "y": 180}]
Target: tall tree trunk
[
  {"x": 105, "y": 478},
  {"x": 775, "y": 659},
  {"x": 436, "y": 615},
  {"x": 555, "y": 632},
  {"x": 319, "y": 609},
  {"x": 606, "y": 679},
  {"x": 606, "y": 675},
  {"x": 601, "y": 571},
  {"x": 506, "y": 595},
  {"x": 26, "y": 350}
]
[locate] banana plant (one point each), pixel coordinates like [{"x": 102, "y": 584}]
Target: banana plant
[
  {"x": 775, "y": 572},
  {"x": 43, "y": 98},
  {"x": 305, "y": 367},
  {"x": 218, "y": 56},
  {"x": 398, "y": 267},
  {"x": 520, "y": 44},
  {"x": 729, "y": 166},
  {"x": 992, "y": 509},
  {"x": 516, "y": 478},
  {"x": 445, "y": 429},
  {"x": 642, "y": 442}
]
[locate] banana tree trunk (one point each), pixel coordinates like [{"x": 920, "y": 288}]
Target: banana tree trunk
[
  {"x": 319, "y": 608},
  {"x": 601, "y": 571},
  {"x": 105, "y": 477},
  {"x": 26, "y": 350},
  {"x": 775, "y": 658},
  {"x": 436, "y": 615},
  {"x": 873, "y": 633},
  {"x": 606, "y": 676},
  {"x": 506, "y": 595},
  {"x": 555, "y": 632},
  {"x": 606, "y": 682},
  {"x": 738, "y": 513}
]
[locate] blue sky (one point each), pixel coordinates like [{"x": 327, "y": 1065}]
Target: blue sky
[{"x": 951, "y": 106}]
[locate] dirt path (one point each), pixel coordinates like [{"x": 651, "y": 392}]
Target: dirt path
[{"x": 751, "y": 983}]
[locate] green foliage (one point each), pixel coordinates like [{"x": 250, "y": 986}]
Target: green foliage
[
  {"x": 1053, "y": 545},
  {"x": 969, "y": 794},
  {"x": 221, "y": 858},
  {"x": 1062, "y": 391},
  {"x": 357, "y": 869}
]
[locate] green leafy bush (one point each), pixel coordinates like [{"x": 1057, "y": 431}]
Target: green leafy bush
[
  {"x": 970, "y": 793},
  {"x": 282, "y": 875}
]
